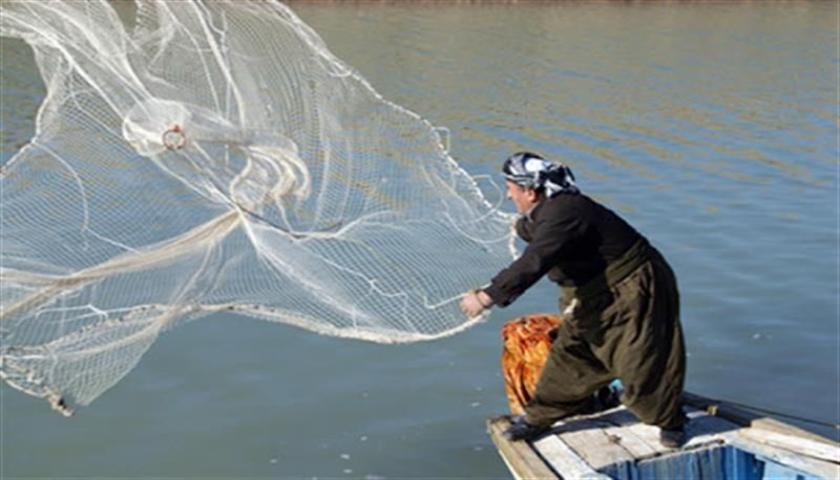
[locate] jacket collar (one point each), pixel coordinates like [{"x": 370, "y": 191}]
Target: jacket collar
[{"x": 529, "y": 215}]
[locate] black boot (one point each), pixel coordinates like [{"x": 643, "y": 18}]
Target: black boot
[
  {"x": 672, "y": 438},
  {"x": 519, "y": 429}
]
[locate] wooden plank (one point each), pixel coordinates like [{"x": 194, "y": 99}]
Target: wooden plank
[
  {"x": 637, "y": 446},
  {"x": 795, "y": 444},
  {"x": 702, "y": 429},
  {"x": 520, "y": 457},
  {"x": 642, "y": 441},
  {"x": 648, "y": 435},
  {"x": 723, "y": 409},
  {"x": 597, "y": 448},
  {"x": 564, "y": 460},
  {"x": 812, "y": 466}
]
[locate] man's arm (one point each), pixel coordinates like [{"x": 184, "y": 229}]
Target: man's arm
[{"x": 543, "y": 252}]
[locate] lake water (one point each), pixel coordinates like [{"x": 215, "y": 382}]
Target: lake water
[{"x": 712, "y": 127}]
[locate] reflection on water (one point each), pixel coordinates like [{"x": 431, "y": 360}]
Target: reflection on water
[{"x": 711, "y": 127}]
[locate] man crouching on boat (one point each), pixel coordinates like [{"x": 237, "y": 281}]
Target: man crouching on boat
[{"x": 620, "y": 299}]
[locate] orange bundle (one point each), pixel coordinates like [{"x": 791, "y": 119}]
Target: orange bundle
[{"x": 526, "y": 343}]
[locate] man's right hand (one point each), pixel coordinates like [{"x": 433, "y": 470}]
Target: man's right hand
[{"x": 475, "y": 302}]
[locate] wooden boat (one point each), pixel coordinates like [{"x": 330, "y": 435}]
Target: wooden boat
[{"x": 725, "y": 442}]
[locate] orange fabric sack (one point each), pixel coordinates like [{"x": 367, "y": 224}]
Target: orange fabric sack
[{"x": 526, "y": 343}]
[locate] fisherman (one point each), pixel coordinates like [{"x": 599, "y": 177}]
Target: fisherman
[{"x": 620, "y": 302}]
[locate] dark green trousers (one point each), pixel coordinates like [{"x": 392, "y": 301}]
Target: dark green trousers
[{"x": 624, "y": 326}]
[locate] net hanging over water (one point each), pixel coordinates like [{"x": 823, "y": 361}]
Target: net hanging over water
[{"x": 217, "y": 157}]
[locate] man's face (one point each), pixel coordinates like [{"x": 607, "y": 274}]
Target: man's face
[{"x": 523, "y": 198}]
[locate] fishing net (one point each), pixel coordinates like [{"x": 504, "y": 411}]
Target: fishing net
[{"x": 217, "y": 157}]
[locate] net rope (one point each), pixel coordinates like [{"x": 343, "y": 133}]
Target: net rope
[{"x": 217, "y": 157}]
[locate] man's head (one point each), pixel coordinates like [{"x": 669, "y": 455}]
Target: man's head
[{"x": 530, "y": 178}]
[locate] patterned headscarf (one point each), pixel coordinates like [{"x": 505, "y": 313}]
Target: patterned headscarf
[{"x": 530, "y": 170}]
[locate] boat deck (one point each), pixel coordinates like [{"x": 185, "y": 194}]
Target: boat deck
[{"x": 612, "y": 443}]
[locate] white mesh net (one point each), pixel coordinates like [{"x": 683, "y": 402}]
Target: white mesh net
[{"x": 214, "y": 157}]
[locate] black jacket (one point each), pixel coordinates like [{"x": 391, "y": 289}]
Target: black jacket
[{"x": 571, "y": 237}]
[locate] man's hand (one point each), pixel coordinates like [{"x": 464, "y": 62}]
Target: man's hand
[{"x": 475, "y": 302}]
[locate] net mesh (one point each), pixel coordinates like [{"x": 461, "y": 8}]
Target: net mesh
[{"x": 217, "y": 157}]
